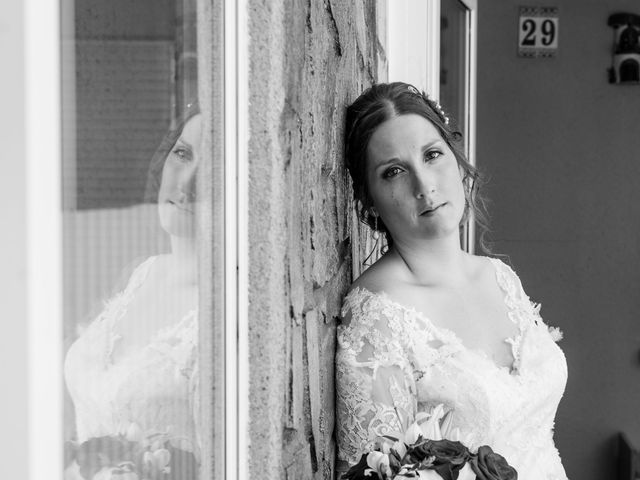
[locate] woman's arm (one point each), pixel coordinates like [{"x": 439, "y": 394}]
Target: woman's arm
[{"x": 375, "y": 389}]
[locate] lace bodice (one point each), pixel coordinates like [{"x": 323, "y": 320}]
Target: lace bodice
[
  {"x": 154, "y": 387},
  {"x": 392, "y": 362}
]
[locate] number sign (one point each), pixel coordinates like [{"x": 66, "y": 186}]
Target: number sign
[{"x": 538, "y": 32}]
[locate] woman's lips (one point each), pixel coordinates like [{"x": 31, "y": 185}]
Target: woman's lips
[
  {"x": 180, "y": 206},
  {"x": 431, "y": 210}
]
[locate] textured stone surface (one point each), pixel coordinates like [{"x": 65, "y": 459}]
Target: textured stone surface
[{"x": 308, "y": 60}]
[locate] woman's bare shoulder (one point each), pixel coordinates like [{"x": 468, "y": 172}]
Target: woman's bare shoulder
[
  {"x": 488, "y": 267},
  {"x": 381, "y": 277},
  {"x": 379, "y": 281},
  {"x": 480, "y": 266}
]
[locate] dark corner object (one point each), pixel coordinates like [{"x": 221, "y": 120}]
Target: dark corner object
[
  {"x": 628, "y": 459},
  {"x": 626, "y": 52}
]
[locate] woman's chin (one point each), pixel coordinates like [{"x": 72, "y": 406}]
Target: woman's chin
[
  {"x": 439, "y": 230},
  {"x": 175, "y": 221},
  {"x": 178, "y": 227},
  {"x": 180, "y": 232}
]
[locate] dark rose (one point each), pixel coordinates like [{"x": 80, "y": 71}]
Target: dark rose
[
  {"x": 183, "y": 464},
  {"x": 395, "y": 462},
  {"x": 488, "y": 465},
  {"x": 99, "y": 452},
  {"x": 357, "y": 471},
  {"x": 417, "y": 452},
  {"x": 444, "y": 456},
  {"x": 69, "y": 452}
]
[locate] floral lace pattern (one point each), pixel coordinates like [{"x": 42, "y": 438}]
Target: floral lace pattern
[
  {"x": 154, "y": 388},
  {"x": 392, "y": 362}
]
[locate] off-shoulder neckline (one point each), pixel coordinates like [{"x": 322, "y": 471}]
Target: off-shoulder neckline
[
  {"x": 496, "y": 263},
  {"x": 450, "y": 335},
  {"x": 139, "y": 276}
]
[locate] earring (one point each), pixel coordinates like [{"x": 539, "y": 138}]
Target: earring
[
  {"x": 376, "y": 233},
  {"x": 376, "y": 237}
]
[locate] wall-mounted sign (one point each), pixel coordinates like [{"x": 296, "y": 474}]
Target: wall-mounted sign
[{"x": 538, "y": 32}]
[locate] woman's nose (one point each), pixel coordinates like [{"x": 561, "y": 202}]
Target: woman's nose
[
  {"x": 424, "y": 185},
  {"x": 188, "y": 184}
]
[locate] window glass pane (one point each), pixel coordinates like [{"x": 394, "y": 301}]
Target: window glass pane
[
  {"x": 454, "y": 61},
  {"x": 131, "y": 153}
]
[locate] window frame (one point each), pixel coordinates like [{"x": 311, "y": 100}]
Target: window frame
[
  {"x": 44, "y": 238},
  {"x": 471, "y": 52}
]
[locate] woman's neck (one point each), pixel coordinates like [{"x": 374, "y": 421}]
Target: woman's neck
[
  {"x": 439, "y": 261},
  {"x": 182, "y": 261}
]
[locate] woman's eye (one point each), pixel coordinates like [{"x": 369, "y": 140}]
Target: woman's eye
[
  {"x": 432, "y": 154},
  {"x": 183, "y": 154},
  {"x": 392, "y": 172}
]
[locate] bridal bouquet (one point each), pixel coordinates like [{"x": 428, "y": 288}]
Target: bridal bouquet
[
  {"x": 424, "y": 452},
  {"x": 131, "y": 456}
]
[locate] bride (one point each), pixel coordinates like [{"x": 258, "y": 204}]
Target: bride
[
  {"x": 428, "y": 323},
  {"x": 133, "y": 373}
]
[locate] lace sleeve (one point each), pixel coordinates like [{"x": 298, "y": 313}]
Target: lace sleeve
[
  {"x": 520, "y": 302},
  {"x": 516, "y": 298},
  {"x": 375, "y": 389}
]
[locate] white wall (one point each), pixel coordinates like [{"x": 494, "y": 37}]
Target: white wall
[{"x": 13, "y": 336}]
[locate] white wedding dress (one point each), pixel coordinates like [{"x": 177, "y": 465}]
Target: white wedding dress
[
  {"x": 392, "y": 362},
  {"x": 153, "y": 388}
]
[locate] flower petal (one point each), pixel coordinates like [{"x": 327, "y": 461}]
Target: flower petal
[
  {"x": 431, "y": 427},
  {"x": 413, "y": 433}
]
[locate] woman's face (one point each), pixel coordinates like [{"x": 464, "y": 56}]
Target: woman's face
[
  {"x": 414, "y": 180},
  {"x": 176, "y": 198}
]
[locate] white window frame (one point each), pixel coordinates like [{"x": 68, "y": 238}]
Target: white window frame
[
  {"x": 413, "y": 35},
  {"x": 223, "y": 92},
  {"x": 236, "y": 222},
  {"x": 470, "y": 100},
  {"x": 44, "y": 238}
]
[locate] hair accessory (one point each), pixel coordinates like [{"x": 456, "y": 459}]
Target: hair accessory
[
  {"x": 432, "y": 103},
  {"x": 439, "y": 110}
]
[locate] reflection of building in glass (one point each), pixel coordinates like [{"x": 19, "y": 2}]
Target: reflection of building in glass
[{"x": 134, "y": 71}]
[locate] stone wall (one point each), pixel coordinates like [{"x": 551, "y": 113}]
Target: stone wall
[{"x": 308, "y": 60}]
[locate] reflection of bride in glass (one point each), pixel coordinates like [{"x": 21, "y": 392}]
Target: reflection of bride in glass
[{"x": 133, "y": 373}]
